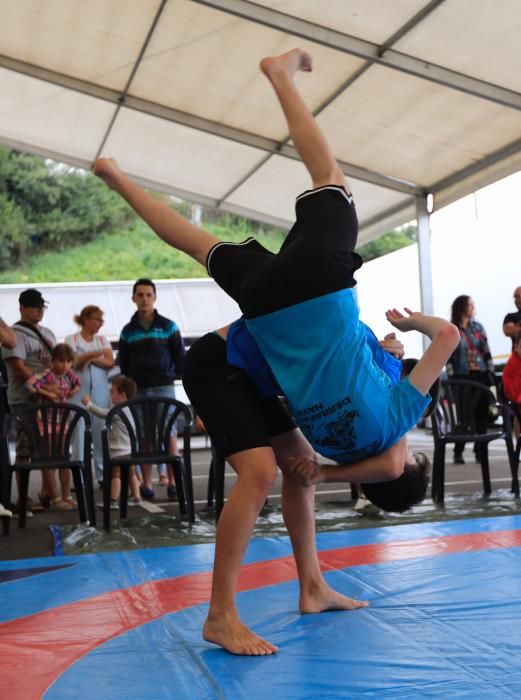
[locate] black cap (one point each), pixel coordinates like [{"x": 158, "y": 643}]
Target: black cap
[{"x": 33, "y": 298}]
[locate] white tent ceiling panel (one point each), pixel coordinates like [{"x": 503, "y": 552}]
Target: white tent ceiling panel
[
  {"x": 371, "y": 20},
  {"x": 205, "y": 62},
  {"x": 44, "y": 116},
  {"x": 478, "y": 36},
  {"x": 171, "y": 88},
  {"x": 410, "y": 128},
  {"x": 98, "y": 40},
  {"x": 170, "y": 154}
]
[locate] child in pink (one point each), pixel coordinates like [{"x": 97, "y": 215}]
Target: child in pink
[
  {"x": 59, "y": 383},
  {"x": 512, "y": 380}
]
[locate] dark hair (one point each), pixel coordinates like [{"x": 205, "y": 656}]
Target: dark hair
[
  {"x": 408, "y": 364},
  {"x": 407, "y": 490},
  {"x": 125, "y": 385},
  {"x": 517, "y": 337},
  {"x": 458, "y": 308},
  {"x": 145, "y": 282},
  {"x": 62, "y": 351}
]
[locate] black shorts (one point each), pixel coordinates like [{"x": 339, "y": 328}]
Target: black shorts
[
  {"x": 235, "y": 414},
  {"x": 316, "y": 258}
]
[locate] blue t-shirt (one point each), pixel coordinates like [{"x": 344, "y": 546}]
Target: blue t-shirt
[{"x": 325, "y": 361}]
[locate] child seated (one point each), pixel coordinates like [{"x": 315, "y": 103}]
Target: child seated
[
  {"x": 59, "y": 383},
  {"x": 122, "y": 389}
]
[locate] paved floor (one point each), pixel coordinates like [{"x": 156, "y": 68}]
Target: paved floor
[{"x": 36, "y": 539}]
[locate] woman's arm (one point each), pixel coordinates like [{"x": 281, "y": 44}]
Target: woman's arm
[
  {"x": 105, "y": 359},
  {"x": 7, "y": 335}
]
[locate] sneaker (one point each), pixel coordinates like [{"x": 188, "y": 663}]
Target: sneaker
[
  {"x": 135, "y": 501},
  {"x": 114, "y": 505},
  {"x": 4, "y": 513},
  {"x": 58, "y": 504},
  {"x": 458, "y": 459},
  {"x": 364, "y": 505},
  {"x": 72, "y": 502},
  {"x": 171, "y": 492},
  {"x": 146, "y": 493},
  {"x": 15, "y": 510}
]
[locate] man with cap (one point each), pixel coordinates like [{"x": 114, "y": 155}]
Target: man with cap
[{"x": 31, "y": 355}]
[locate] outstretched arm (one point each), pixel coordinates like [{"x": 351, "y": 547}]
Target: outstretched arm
[
  {"x": 386, "y": 466},
  {"x": 164, "y": 221},
  {"x": 445, "y": 338}
]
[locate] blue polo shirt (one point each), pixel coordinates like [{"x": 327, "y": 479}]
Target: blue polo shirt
[{"x": 343, "y": 389}]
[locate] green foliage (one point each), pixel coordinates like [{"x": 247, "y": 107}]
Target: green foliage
[
  {"x": 121, "y": 255},
  {"x": 396, "y": 239},
  {"x": 50, "y": 205}
]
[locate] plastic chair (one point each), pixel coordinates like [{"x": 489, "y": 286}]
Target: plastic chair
[
  {"x": 149, "y": 424},
  {"x": 49, "y": 428},
  {"x": 454, "y": 421}
]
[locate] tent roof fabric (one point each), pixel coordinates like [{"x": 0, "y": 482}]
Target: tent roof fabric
[{"x": 415, "y": 96}]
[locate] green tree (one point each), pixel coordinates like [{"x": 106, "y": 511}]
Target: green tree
[{"x": 394, "y": 240}]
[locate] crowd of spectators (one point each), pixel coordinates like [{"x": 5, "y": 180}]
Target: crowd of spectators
[{"x": 151, "y": 355}]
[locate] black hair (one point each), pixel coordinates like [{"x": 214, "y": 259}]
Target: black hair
[
  {"x": 62, "y": 351},
  {"x": 145, "y": 282},
  {"x": 458, "y": 308},
  {"x": 407, "y": 490}
]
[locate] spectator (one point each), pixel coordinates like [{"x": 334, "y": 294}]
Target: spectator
[
  {"x": 93, "y": 360},
  {"x": 151, "y": 352},
  {"x": 7, "y": 335},
  {"x": 512, "y": 381},
  {"x": 512, "y": 321},
  {"x": 59, "y": 383},
  {"x": 31, "y": 355},
  {"x": 471, "y": 360},
  {"x": 122, "y": 389}
]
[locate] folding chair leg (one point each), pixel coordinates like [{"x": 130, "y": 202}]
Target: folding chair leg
[
  {"x": 123, "y": 496},
  {"x": 485, "y": 470},
  {"x": 22, "y": 500},
  {"x": 107, "y": 479},
  {"x": 513, "y": 460},
  {"x": 80, "y": 493},
  {"x": 438, "y": 474}
]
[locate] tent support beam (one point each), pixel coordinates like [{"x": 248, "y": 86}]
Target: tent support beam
[{"x": 423, "y": 230}]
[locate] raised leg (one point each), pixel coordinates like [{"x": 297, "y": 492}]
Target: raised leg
[
  {"x": 256, "y": 472},
  {"x": 167, "y": 223},
  {"x": 298, "y": 509},
  {"x": 303, "y": 128}
]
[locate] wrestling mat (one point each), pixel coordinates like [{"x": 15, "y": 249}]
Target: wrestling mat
[{"x": 444, "y": 620}]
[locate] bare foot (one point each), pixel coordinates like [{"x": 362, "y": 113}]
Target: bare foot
[
  {"x": 325, "y": 598},
  {"x": 107, "y": 170},
  {"x": 233, "y": 636},
  {"x": 287, "y": 63}
]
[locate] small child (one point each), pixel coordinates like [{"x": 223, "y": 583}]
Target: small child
[
  {"x": 512, "y": 380},
  {"x": 59, "y": 383},
  {"x": 122, "y": 389}
]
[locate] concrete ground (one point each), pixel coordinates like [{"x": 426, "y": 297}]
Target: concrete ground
[{"x": 36, "y": 539}]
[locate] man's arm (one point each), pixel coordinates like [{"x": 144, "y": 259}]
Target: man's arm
[
  {"x": 385, "y": 466},
  {"x": 7, "y": 335},
  {"x": 510, "y": 328},
  {"x": 445, "y": 339}
]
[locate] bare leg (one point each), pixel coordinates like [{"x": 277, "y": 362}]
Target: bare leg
[
  {"x": 256, "y": 472},
  {"x": 298, "y": 509},
  {"x": 167, "y": 223},
  {"x": 304, "y": 130}
]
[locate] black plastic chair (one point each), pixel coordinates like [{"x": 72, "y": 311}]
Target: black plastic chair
[
  {"x": 454, "y": 421},
  {"x": 149, "y": 424},
  {"x": 49, "y": 428}
]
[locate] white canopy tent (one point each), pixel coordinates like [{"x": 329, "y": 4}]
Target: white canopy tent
[{"x": 417, "y": 97}]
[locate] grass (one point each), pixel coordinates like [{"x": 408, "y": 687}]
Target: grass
[{"x": 122, "y": 255}]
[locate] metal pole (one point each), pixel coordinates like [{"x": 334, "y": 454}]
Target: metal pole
[{"x": 423, "y": 230}]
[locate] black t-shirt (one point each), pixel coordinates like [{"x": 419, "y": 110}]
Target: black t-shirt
[{"x": 514, "y": 317}]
